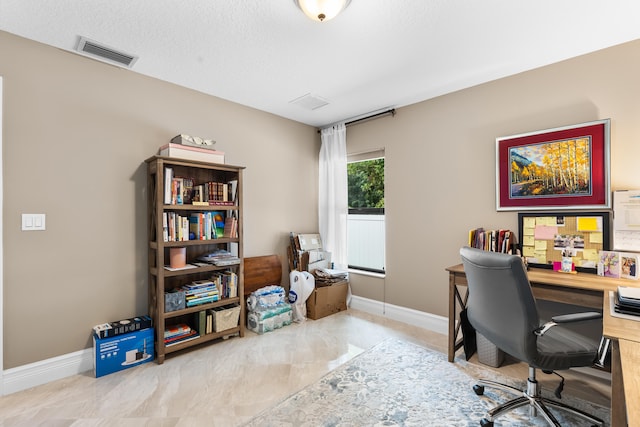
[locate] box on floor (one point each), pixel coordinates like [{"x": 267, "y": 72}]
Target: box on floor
[
  {"x": 326, "y": 300},
  {"x": 123, "y": 351}
]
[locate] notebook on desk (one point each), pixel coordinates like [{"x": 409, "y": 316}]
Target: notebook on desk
[{"x": 622, "y": 310}]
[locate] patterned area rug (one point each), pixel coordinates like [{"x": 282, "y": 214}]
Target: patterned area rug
[{"x": 397, "y": 383}]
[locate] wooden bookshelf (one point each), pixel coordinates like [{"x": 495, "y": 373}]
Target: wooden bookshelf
[{"x": 161, "y": 279}]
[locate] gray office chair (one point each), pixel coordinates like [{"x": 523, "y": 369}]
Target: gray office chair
[{"x": 503, "y": 309}]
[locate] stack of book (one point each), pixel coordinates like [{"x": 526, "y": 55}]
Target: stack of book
[
  {"x": 220, "y": 257},
  {"x": 176, "y": 334},
  {"x": 200, "y": 292},
  {"x": 627, "y": 300},
  {"x": 492, "y": 240},
  {"x": 230, "y": 227},
  {"x": 227, "y": 283}
]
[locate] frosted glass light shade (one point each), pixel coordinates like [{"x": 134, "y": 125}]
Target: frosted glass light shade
[{"x": 322, "y": 10}]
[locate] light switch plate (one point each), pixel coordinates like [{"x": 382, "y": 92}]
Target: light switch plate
[{"x": 33, "y": 222}]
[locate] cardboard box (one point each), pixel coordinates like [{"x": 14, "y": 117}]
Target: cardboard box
[
  {"x": 309, "y": 242},
  {"x": 122, "y": 351},
  {"x": 327, "y": 300}
]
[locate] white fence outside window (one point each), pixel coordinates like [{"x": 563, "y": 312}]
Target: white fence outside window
[{"x": 365, "y": 245}]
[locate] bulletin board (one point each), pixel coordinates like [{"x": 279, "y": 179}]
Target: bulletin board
[{"x": 544, "y": 237}]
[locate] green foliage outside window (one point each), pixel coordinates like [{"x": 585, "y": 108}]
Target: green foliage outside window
[{"x": 366, "y": 184}]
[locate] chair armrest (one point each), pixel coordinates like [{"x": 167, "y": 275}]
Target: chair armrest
[
  {"x": 567, "y": 318},
  {"x": 576, "y": 317}
]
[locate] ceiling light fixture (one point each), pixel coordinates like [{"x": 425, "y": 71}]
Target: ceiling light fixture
[{"x": 322, "y": 10}]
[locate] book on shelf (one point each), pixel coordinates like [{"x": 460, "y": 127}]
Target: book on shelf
[
  {"x": 233, "y": 190},
  {"x": 201, "y": 295},
  {"x": 168, "y": 180},
  {"x": 200, "y": 319},
  {"x": 187, "y": 190},
  {"x": 203, "y": 300},
  {"x": 228, "y": 284},
  {"x": 218, "y": 224},
  {"x": 186, "y": 267},
  {"x": 191, "y": 153},
  {"x": 176, "y": 191},
  {"x": 209, "y": 325},
  {"x": 175, "y": 330},
  {"x": 230, "y": 227},
  {"x": 198, "y": 284},
  {"x": 177, "y": 340}
]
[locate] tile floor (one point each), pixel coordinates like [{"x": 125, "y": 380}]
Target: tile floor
[{"x": 227, "y": 383}]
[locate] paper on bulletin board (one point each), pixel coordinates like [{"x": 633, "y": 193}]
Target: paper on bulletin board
[
  {"x": 545, "y": 232},
  {"x": 589, "y": 223},
  {"x": 626, "y": 220}
]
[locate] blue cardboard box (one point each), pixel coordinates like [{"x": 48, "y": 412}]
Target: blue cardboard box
[{"x": 124, "y": 351}]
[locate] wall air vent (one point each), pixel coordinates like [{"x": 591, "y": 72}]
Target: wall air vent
[
  {"x": 310, "y": 102},
  {"x": 105, "y": 53}
]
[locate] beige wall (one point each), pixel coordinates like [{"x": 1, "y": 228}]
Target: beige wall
[
  {"x": 440, "y": 161},
  {"x": 76, "y": 134}
]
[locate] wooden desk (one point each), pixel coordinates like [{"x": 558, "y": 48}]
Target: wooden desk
[{"x": 625, "y": 366}]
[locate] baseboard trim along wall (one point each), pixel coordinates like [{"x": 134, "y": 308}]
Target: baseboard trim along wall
[
  {"x": 45, "y": 371},
  {"x": 413, "y": 317},
  {"x": 55, "y": 368}
]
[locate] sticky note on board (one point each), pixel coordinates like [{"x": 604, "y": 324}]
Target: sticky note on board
[
  {"x": 588, "y": 223},
  {"x": 595, "y": 237},
  {"x": 547, "y": 220},
  {"x": 527, "y": 251},
  {"x": 528, "y": 231},
  {"x": 528, "y": 241},
  {"x": 590, "y": 254},
  {"x": 541, "y": 245},
  {"x": 541, "y": 256},
  {"x": 529, "y": 222},
  {"x": 545, "y": 232}
]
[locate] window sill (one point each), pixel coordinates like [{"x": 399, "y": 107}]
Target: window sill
[{"x": 367, "y": 273}]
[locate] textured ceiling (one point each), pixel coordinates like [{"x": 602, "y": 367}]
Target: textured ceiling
[{"x": 376, "y": 54}]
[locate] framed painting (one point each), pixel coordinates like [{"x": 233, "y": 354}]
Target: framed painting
[{"x": 561, "y": 168}]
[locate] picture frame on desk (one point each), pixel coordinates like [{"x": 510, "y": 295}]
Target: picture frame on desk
[
  {"x": 546, "y": 237},
  {"x": 561, "y": 168}
]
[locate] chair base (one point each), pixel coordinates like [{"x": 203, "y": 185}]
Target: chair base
[{"x": 532, "y": 397}]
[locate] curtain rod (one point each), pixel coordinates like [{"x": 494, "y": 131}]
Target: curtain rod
[{"x": 391, "y": 111}]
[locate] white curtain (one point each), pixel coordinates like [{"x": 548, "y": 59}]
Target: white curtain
[{"x": 332, "y": 203}]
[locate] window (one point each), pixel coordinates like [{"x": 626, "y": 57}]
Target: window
[{"x": 365, "y": 223}]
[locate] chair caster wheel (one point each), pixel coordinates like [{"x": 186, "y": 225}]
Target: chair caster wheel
[
  {"x": 486, "y": 423},
  {"x": 479, "y": 390}
]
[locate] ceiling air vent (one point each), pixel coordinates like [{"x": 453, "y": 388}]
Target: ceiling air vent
[
  {"x": 310, "y": 102},
  {"x": 105, "y": 53}
]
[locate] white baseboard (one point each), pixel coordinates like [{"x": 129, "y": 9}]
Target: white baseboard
[
  {"x": 421, "y": 319},
  {"x": 44, "y": 371}
]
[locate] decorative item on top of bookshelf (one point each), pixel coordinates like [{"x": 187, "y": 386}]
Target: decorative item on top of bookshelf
[
  {"x": 193, "y": 141},
  {"x": 547, "y": 237},
  {"x": 560, "y": 168}
]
